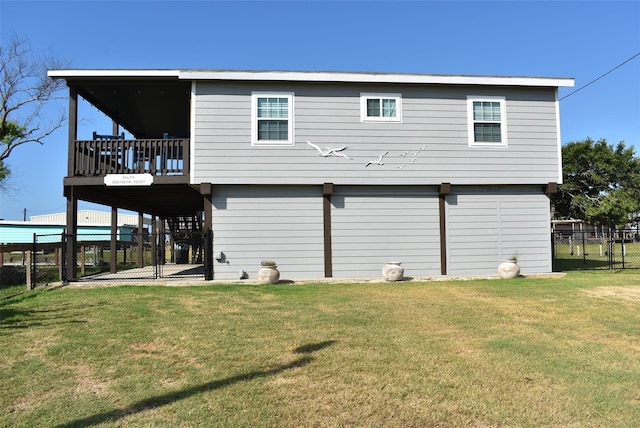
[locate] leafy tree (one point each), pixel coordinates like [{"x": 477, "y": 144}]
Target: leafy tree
[
  {"x": 25, "y": 88},
  {"x": 601, "y": 183}
]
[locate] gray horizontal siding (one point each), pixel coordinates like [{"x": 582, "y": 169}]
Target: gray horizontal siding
[
  {"x": 485, "y": 226},
  {"x": 373, "y": 225},
  {"x": 254, "y": 223},
  {"x": 434, "y": 127}
]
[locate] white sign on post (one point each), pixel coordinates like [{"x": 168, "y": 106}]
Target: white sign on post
[{"x": 128, "y": 179}]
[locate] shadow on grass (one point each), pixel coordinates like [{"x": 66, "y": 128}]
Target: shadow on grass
[
  {"x": 14, "y": 317},
  {"x": 566, "y": 264},
  {"x": 313, "y": 347},
  {"x": 161, "y": 400}
]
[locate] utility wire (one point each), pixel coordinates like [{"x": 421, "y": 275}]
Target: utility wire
[{"x": 600, "y": 77}]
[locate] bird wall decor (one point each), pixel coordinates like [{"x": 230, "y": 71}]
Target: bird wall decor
[
  {"x": 377, "y": 161},
  {"x": 329, "y": 151}
]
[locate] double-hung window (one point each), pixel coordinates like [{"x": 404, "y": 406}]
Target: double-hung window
[
  {"x": 272, "y": 118},
  {"x": 487, "y": 121},
  {"x": 380, "y": 107}
]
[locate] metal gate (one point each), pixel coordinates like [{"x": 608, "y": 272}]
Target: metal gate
[{"x": 579, "y": 250}]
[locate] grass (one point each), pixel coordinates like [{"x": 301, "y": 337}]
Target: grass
[{"x": 523, "y": 352}]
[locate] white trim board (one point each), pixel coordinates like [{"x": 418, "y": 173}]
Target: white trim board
[{"x": 318, "y": 76}]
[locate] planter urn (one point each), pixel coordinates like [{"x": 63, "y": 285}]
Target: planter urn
[
  {"x": 268, "y": 275},
  {"x": 508, "y": 269},
  {"x": 393, "y": 271}
]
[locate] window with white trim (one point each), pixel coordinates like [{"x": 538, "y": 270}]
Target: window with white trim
[
  {"x": 272, "y": 118},
  {"x": 487, "y": 121},
  {"x": 381, "y": 107}
]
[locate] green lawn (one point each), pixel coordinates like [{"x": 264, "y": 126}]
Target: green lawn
[{"x": 524, "y": 352}]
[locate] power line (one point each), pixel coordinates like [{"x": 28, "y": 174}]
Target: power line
[
  {"x": 600, "y": 77},
  {"x": 46, "y": 211}
]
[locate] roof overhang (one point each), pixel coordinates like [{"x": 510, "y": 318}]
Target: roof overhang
[{"x": 315, "y": 76}]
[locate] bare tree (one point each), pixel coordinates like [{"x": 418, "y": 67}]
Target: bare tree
[{"x": 25, "y": 88}]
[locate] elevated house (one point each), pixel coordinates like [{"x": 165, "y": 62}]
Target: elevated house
[{"x": 330, "y": 174}]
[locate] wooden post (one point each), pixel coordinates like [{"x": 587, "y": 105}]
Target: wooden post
[
  {"x": 82, "y": 259},
  {"x": 161, "y": 241},
  {"x": 445, "y": 189},
  {"x": 140, "y": 240},
  {"x": 113, "y": 244},
  {"x": 59, "y": 260},
  {"x": 206, "y": 190},
  {"x": 73, "y": 131},
  {"x": 29, "y": 254},
  {"x": 72, "y": 201},
  {"x": 154, "y": 240},
  {"x": 327, "y": 191},
  {"x": 70, "y": 256}
]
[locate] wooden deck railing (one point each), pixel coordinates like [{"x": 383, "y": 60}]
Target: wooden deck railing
[{"x": 115, "y": 156}]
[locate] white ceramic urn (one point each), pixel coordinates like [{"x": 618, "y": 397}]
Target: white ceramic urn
[
  {"x": 508, "y": 269},
  {"x": 268, "y": 275},
  {"x": 392, "y": 271}
]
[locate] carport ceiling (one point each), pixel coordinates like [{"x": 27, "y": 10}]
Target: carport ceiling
[{"x": 167, "y": 200}]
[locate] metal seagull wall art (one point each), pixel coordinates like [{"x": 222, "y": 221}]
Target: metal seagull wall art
[
  {"x": 329, "y": 151},
  {"x": 377, "y": 161}
]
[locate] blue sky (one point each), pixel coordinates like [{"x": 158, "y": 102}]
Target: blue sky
[{"x": 578, "y": 39}]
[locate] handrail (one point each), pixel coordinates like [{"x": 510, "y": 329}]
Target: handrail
[{"x": 115, "y": 156}]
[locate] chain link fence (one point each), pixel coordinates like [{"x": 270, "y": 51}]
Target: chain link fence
[
  {"x": 612, "y": 249},
  {"x": 135, "y": 257},
  {"x": 103, "y": 257},
  {"x": 31, "y": 264}
]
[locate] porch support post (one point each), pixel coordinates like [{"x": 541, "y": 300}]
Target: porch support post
[
  {"x": 445, "y": 189},
  {"x": 154, "y": 241},
  {"x": 327, "y": 191},
  {"x": 140, "y": 261},
  {"x": 70, "y": 259},
  {"x": 206, "y": 190},
  {"x": 162, "y": 245},
  {"x": 72, "y": 202},
  {"x": 114, "y": 244},
  {"x": 73, "y": 131}
]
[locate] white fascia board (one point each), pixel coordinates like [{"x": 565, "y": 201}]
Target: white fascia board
[
  {"x": 298, "y": 76},
  {"x": 67, "y": 74},
  {"x": 320, "y": 76}
]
